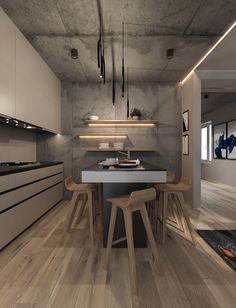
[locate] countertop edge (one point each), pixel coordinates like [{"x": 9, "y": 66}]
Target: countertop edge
[{"x": 28, "y": 168}]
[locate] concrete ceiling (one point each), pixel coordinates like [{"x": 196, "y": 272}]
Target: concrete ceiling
[
  {"x": 215, "y": 100},
  {"x": 151, "y": 27},
  {"x": 223, "y": 56}
]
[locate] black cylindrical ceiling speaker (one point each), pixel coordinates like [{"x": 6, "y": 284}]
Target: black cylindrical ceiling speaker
[
  {"x": 170, "y": 53},
  {"x": 74, "y": 53}
]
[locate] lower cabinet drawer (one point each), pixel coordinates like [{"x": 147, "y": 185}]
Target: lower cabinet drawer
[
  {"x": 18, "y": 195},
  {"x": 7, "y": 182},
  {"x": 17, "y": 219}
]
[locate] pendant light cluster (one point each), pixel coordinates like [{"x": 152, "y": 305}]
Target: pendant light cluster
[
  {"x": 101, "y": 58},
  {"x": 123, "y": 59},
  {"x": 127, "y": 99},
  {"x": 100, "y": 46},
  {"x": 123, "y": 72}
]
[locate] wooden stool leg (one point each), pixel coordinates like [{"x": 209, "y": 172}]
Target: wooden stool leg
[
  {"x": 110, "y": 234},
  {"x": 90, "y": 208},
  {"x": 100, "y": 202},
  {"x": 159, "y": 230},
  {"x": 82, "y": 206},
  {"x": 148, "y": 228},
  {"x": 186, "y": 216},
  {"x": 160, "y": 205},
  {"x": 164, "y": 210},
  {"x": 130, "y": 242},
  {"x": 156, "y": 204},
  {"x": 176, "y": 211},
  {"x": 71, "y": 212}
]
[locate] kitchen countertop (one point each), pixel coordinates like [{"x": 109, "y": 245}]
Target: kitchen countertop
[
  {"x": 5, "y": 170},
  {"x": 142, "y": 167},
  {"x": 147, "y": 173}
]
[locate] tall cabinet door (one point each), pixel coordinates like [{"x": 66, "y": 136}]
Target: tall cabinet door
[
  {"x": 37, "y": 88},
  {"x": 7, "y": 65}
]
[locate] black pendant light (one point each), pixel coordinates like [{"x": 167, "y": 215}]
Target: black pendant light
[
  {"x": 123, "y": 61},
  {"x": 100, "y": 46},
  {"x": 127, "y": 102},
  {"x": 113, "y": 92},
  {"x": 113, "y": 74},
  {"x": 99, "y": 51},
  {"x": 103, "y": 64}
]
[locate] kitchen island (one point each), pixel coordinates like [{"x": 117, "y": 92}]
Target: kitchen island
[{"x": 119, "y": 181}]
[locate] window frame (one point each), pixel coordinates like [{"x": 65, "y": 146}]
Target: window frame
[{"x": 208, "y": 125}]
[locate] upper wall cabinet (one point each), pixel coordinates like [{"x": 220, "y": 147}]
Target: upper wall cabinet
[
  {"x": 7, "y": 65},
  {"x": 37, "y": 88},
  {"x": 7, "y": 90},
  {"x": 29, "y": 90},
  {"x": 7, "y": 40}
]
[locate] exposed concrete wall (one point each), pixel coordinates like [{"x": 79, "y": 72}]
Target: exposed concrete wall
[
  {"x": 191, "y": 100},
  {"x": 220, "y": 170},
  {"x": 160, "y": 102},
  {"x": 17, "y": 145}
]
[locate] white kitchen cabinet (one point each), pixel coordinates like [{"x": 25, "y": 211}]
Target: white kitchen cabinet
[
  {"x": 29, "y": 90},
  {"x": 17, "y": 219},
  {"x": 7, "y": 65},
  {"x": 7, "y": 90},
  {"x": 43, "y": 97},
  {"x": 7, "y": 40},
  {"x": 29, "y": 106},
  {"x": 7, "y": 182},
  {"x": 25, "y": 196}
]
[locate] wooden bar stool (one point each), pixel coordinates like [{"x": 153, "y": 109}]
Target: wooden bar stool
[
  {"x": 82, "y": 194},
  {"x": 173, "y": 193},
  {"x": 170, "y": 176},
  {"x": 128, "y": 204}
]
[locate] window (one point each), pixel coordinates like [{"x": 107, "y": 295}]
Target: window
[{"x": 206, "y": 137}]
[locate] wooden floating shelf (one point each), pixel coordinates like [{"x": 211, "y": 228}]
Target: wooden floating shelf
[
  {"x": 119, "y": 150},
  {"x": 103, "y": 136},
  {"x": 124, "y": 123}
]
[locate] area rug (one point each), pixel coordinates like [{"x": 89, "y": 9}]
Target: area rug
[{"x": 223, "y": 242}]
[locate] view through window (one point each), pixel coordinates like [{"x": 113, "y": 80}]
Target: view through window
[{"x": 206, "y": 142}]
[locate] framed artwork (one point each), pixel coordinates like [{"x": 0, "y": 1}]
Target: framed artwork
[
  {"x": 231, "y": 140},
  {"x": 219, "y": 141},
  {"x": 185, "y": 119},
  {"x": 185, "y": 144}
]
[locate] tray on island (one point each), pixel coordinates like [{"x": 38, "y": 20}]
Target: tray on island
[{"x": 129, "y": 163}]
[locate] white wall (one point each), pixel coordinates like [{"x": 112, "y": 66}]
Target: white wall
[
  {"x": 16, "y": 145},
  {"x": 191, "y": 100},
  {"x": 223, "y": 171}
]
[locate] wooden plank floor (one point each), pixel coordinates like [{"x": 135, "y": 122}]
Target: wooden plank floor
[{"x": 40, "y": 270}]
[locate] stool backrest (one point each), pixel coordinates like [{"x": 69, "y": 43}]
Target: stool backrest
[
  {"x": 185, "y": 182},
  {"x": 170, "y": 176},
  {"x": 142, "y": 196},
  {"x": 69, "y": 182}
]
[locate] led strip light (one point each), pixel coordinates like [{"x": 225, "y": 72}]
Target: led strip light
[{"x": 209, "y": 51}]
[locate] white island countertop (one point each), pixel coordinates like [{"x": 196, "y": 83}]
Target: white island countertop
[{"x": 145, "y": 173}]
